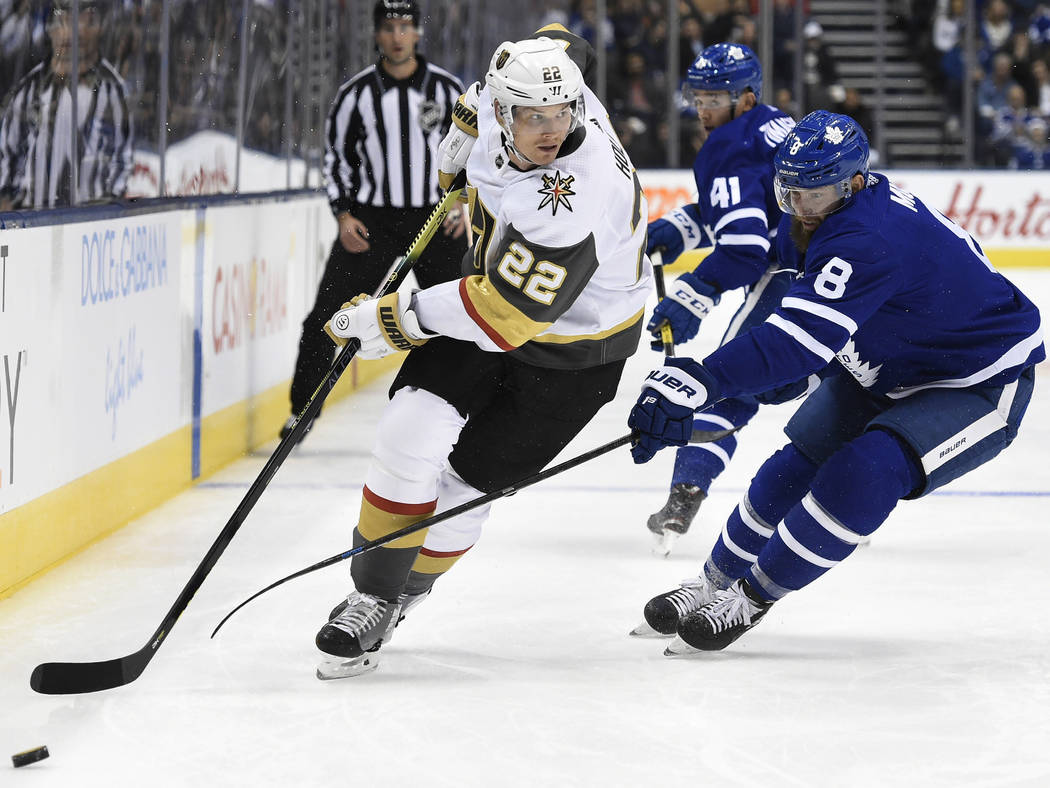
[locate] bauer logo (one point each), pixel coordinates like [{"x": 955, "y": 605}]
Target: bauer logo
[{"x": 954, "y": 447}]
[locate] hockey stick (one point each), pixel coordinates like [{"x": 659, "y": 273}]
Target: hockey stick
[
  {"x": 661, "y": 293},
  {"x": 68, "y": 678},
  {"x": 439, "y": 518},
  {"x": 463, "y": 507}
]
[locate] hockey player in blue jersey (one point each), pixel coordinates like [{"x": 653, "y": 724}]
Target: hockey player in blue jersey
[
  {"x": 737, "y": 213},
  {"x": 927, "y": 356}
]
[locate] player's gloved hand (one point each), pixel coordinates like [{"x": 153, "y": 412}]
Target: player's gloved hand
[
  {"x": 687, "y": 303},
  {"x": 455, "y": 148},
  {"x": 383, "y": 326},
  {"x": 789, "y": 391},
  {"x": 663, "y": 415},
  {"x": 675, "y": 232}
]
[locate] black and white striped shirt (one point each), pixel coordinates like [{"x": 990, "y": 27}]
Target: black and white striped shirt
[
  {"x": 36, "y": 140},
  {"x": 382, "y": 138}
]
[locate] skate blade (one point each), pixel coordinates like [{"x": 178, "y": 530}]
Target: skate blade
[
  {"x": 663, "y": 543},
  {"x": 643, "y": 630},
  {"x": 332, "y": 667},
  {"x": 679, "y": 648}
]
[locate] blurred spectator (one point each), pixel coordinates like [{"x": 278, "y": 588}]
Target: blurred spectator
[
  {"x": 717, "y": 18},
  {"x": 1039, "y": 29},
  {"x": 584, "y": 23},
  {"x": 784, "y": 45},
  {"x": 945, "y": 58},
  {"x": 36, "y": 130},
  {"x": 820, "y": 76},
  {"x": 853, "y": 105},
  {"x": 1040, "y": 96},
  {"x": 691, "y": 42},
  {"x": 784, "y": 99},
  {"x": 993, "y": 89},
  {"x": 634, "y": 93},
  {"x": 997, "y": 27},
  {"x": 640, "y": 143},
  {"x": 1010, "y": 137}
]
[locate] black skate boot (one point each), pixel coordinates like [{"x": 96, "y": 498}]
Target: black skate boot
[
  {"x": 675, "y": 518},
  {"x": 286, "y": 430},
  {"x": 408, "y": 601},
  {"x": 717, "y": 624},
  {"x": 664, "y": 611},
  {"x": 351, "y": 639}
]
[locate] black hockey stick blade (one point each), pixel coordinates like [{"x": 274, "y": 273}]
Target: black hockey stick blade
[
  {"x": 72, "y": 678},
  {"x": 438, "y": 518}
]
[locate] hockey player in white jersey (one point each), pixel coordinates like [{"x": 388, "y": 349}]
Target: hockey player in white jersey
[{"x": 509, "y": 362}]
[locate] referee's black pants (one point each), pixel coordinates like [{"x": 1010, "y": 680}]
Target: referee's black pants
[{"x": 346, "y": 275}]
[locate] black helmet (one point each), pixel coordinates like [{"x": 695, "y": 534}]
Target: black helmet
[{"x": 395, "y": 9}]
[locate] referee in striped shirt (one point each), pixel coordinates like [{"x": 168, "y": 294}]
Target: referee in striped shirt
[
  {"x": 36, "y": 140},
  {"x": 381, "y": 172}
]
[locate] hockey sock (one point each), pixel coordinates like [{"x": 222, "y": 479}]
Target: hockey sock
[
  {"x": 382, "y": 572},
  {"x": 447, "y": 542},
  {"x": 852, "y": 494},
  {"x": 779, "y": 484}
]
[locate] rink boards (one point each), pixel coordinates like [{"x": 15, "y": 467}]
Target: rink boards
[
  {"x": 1007, "y": 212},
  {"x": 142, "y": 351},
  {"x": 139, "y": 353}
]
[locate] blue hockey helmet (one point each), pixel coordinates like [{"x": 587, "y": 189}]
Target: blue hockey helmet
[
  {"x": 732, "y": 67},
  {"x": 816, "y": 162}
]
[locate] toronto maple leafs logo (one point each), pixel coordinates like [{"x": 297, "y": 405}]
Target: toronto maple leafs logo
[
  {"x": 834, "y": 135},
  {"x": 862, "y": 370},
  {"x": 736, "y": 53},
  {"x": 556, "y": 191}
]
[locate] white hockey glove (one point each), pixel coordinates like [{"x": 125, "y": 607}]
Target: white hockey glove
[
  {"x": 455, "y": 148},
  {"x": 383, "y": 326}
]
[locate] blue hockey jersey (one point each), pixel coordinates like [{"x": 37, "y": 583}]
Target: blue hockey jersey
[
  {"x": 736, "y": 206},
  {"x": 898, "y": 295}
]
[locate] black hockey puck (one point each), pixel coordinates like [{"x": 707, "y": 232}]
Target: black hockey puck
[{"x": 29, "y": 756}]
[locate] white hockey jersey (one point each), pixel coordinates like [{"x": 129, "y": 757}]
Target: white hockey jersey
[{"x": 559, "y": 276}]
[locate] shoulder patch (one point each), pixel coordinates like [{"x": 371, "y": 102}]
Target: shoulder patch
[{"x": 556, "y": 191}]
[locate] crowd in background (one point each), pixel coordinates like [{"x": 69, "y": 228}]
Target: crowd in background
[{"x": 1012, "y": 81}]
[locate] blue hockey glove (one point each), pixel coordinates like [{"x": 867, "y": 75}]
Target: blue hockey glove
[
  {"x": 663, "y": 415},
  {"x": 789, "y": 391},
  {"x": 678, "y": 231},
  {"x": 688, "y": 301}
]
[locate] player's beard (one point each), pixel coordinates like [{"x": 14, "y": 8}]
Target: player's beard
[{"x": 800, "y": 235}]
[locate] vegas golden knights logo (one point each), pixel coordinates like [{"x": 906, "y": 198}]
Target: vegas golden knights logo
[{"x": 502, "y": 58}]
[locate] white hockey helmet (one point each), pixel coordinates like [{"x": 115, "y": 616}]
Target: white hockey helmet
[{"x": 535, "y": 72}]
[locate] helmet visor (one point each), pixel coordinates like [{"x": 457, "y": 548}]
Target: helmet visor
[
  {"x": 818, "y": 201},
  {"x": 707, "y": 99},
  {"x": 557, "y": 119}
]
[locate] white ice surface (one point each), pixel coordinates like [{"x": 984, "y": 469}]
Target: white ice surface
[{"x": 923, "y": 660}]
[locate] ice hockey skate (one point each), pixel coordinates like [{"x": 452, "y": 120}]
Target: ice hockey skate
[
  {"x": 664, "y": 611},
  {"x": 289, "y": 425},
  {"x": 675, "y": 517},
  {"x": 408, "y": 601},
  {"x": 350, "y": 641},
  {"x": 729, "y": 615}
]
